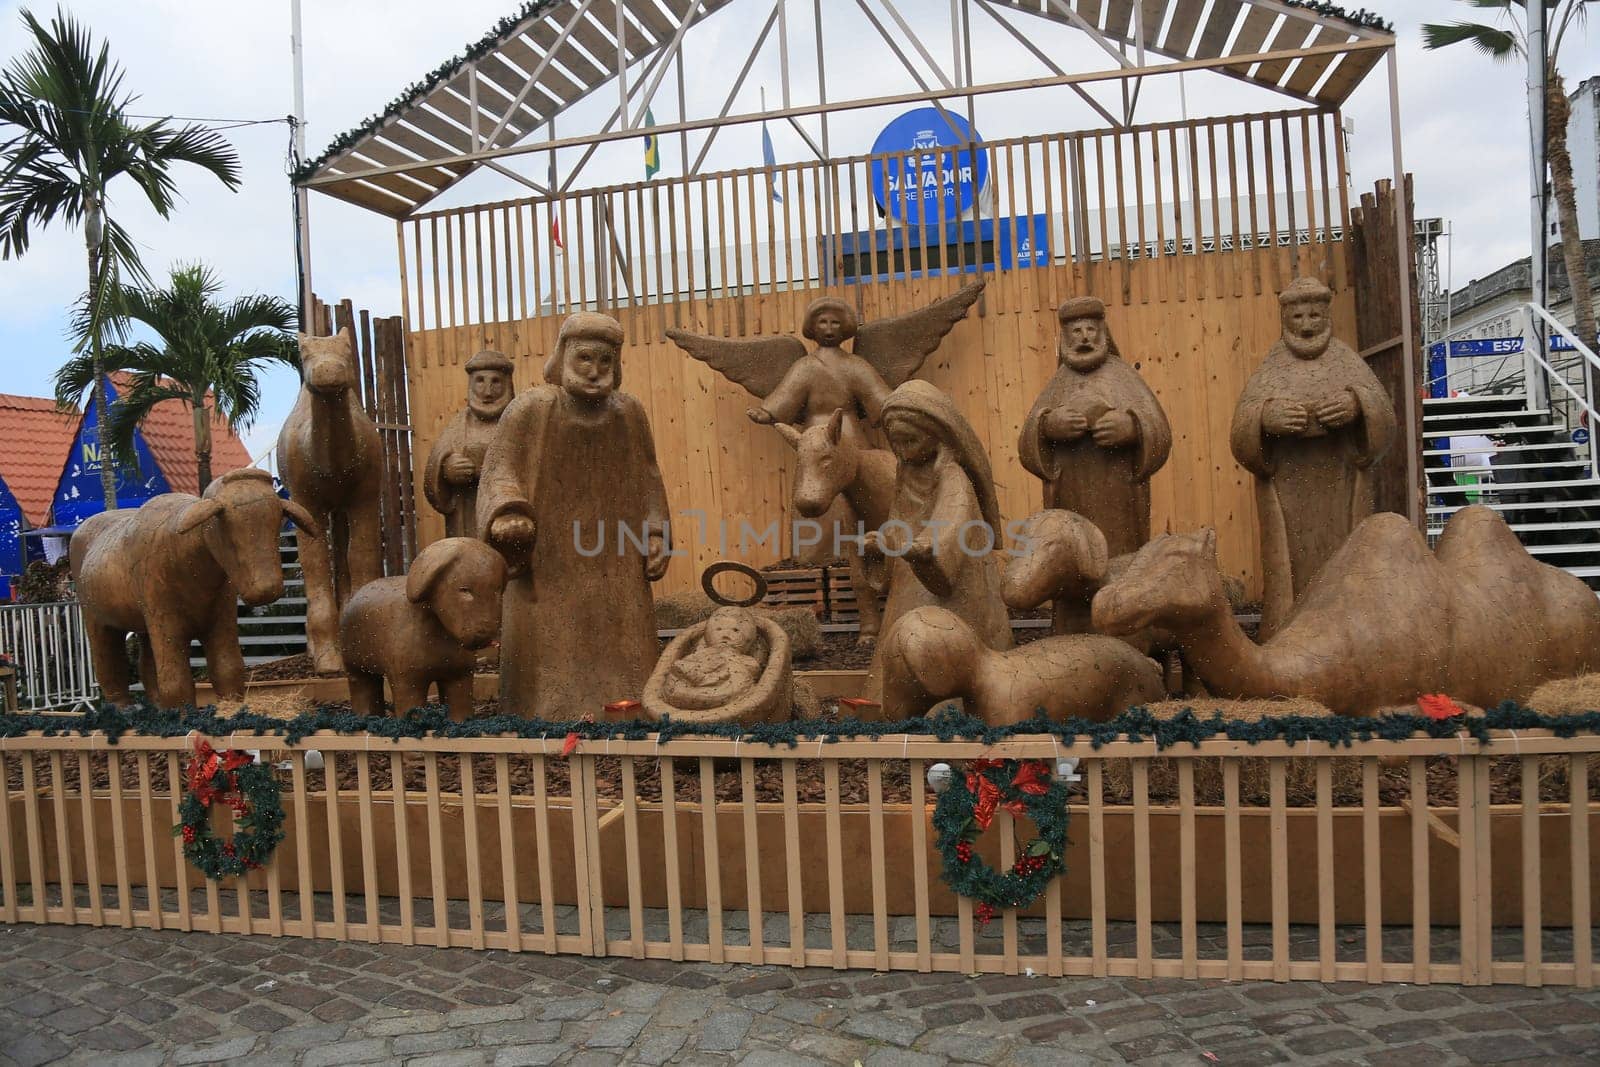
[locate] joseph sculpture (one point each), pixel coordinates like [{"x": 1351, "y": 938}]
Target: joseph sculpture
[
  {"x": 1094, "y": 437},
  {"x": 456, "y": 461},
  {"x": 572, "y": 497},
  {"x": 1310, "y": 423}
]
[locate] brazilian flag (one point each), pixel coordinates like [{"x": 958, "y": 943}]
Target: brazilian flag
[{"x": 652, "y": 147}]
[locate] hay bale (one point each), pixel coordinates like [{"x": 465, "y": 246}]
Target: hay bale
[
  {"x": 805, "y": 632},
  {"x": 676, "y": 611},
  {"x": 807, "y": 705},
  {"x": 1239, "y": 710},
  {"x": 273, "y": 703},
  {"x": 1567, "y": 696}
]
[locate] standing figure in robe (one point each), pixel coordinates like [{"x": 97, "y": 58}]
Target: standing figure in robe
[
  {"x": 456, "y": 461},
  {"x": 1310, "y": 423},
  {"x": 944, "y": 527},
  {"x": 572, "y": 497},
  {"x": 1094, "y": 437}
]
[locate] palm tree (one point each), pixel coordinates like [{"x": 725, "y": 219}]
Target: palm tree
[
  {"x": 1510, "y": 40},
  {"x": 208, "y": 355},
  {"x": 64, "y": 114}
]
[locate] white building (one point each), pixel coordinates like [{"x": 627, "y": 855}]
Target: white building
[{"x": 1583, "y": 141}]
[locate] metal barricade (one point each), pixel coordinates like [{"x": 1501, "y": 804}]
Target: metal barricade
[{"x": 50, "y": 649}]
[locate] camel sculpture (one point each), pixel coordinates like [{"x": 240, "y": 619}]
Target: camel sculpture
[
  {"x": 831, "y": 463},
  {"x": 1382, "y": 623},
  {"x": 932, "y": 655},
  {"x": 330, "y": 458}
]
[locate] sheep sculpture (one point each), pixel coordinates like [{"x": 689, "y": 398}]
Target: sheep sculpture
[{"x": 423, "y": 628}]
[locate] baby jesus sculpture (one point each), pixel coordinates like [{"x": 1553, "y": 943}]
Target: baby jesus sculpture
[
  {"x": 723, "y": 667},
  {"x": 734, "y": 667}
]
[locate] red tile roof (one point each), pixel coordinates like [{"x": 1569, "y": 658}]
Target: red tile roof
[
  {"x": 168, "y": 431},
  {"x": 34, "y": 440}
]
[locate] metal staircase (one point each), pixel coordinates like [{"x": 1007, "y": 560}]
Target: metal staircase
[
  {"x": 1539, "y": 479},
  {"x": 1541, "y": 467}
]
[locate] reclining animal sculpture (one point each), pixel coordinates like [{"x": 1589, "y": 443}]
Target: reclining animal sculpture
[
  {"x": 930, "y": 655},
  {"x": 424, "y": 627},
  {"x": 1385, "y": 621},
  {"x": 173, "y": 571}
]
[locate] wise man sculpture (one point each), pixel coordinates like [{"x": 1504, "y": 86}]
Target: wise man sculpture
[
  {"x": 1094, "y": 437},
  {"x": 456, "y": 461},
  {"x": 1309, "y": 425},
  {"x": 572, "y": 497}
]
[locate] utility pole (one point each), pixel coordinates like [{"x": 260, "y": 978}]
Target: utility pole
[
  {"x": 1536, "y": 384},
  {"x": 302, "y": 199}
]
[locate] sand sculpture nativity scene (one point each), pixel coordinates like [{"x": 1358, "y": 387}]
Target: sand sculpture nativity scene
[{"x": 560, "y": 526}]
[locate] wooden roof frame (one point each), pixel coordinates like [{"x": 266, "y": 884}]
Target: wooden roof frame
[{"x": 485, "y": 109}]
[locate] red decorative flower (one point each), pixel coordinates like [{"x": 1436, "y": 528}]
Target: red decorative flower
[
  {"x": 1438, "y": 706},
  {"x": 1033, "y": 778},
  {"x": 571, "y": 744}
]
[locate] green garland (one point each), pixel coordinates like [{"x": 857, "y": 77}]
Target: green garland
[
  {"x": 964, "y": 810},
  {"x": 1136, "y": 724},
  {"x": 249, "y": 788}
]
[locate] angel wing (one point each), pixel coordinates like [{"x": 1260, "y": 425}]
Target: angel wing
[
  {"x": 896, "y": 347},
  {"x": 757, "y": 363}
]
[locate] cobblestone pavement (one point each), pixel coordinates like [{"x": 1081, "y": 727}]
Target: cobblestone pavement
[{"x": 114, "y": 996}]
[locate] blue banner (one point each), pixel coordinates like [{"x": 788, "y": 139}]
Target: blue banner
[
  {"x": 11, "y": 561},
  {"x": 1495, "y": 346},
  {"x": 78, "y": 495},
  {"x": 934, "y": 181},
  {"x": 967, "y": 248}
]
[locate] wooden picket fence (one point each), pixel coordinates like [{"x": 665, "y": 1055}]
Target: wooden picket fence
[{"x": 623, "y": 849}]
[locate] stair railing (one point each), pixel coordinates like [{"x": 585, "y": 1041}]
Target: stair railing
[{"x": 1591, "y": 363}]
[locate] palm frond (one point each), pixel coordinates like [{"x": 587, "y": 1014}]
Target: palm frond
[
  {"x": 73, "y": 380},
  {"x": 1496, "y": 43},
  {"x": 134, "y": 405}
]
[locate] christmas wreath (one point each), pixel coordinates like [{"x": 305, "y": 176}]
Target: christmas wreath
[
  {"x": 249, "y": 789},
  {"x": 965, "y": 810}
]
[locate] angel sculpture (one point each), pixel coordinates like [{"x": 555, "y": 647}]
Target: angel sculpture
[{"x": 802, "y": 390}]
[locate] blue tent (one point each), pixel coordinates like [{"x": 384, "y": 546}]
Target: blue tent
[{"x": 79, "y": 495}]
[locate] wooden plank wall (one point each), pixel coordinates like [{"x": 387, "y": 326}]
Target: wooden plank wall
[
  {"x": 1195, "y": 353},
  {"x": 380, "y": 353},
  {"x": 1376, "y": 271},
  {"x": 1191, "y": 287}
]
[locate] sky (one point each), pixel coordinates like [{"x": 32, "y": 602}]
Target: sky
[{"x": 1463, "y": 122}]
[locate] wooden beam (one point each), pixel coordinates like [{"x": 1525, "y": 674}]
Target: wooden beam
[{"x": 1082, "y": 78}]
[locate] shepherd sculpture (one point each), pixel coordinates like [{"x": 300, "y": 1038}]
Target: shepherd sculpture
[
  {"x": 330, "y": 458},
  {"x": 1384, "y": 622}
]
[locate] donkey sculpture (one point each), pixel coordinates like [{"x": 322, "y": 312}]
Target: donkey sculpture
[
  {"x": 832, "y": 463},
  {"x": 330, "y": 458}
]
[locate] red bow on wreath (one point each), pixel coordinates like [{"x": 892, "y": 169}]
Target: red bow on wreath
[{"x": 207, "y": 764}]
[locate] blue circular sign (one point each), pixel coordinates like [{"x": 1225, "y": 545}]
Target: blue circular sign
[
  {"x": 1580, "y": 436},
  {"x": 926, "y": 177}
]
